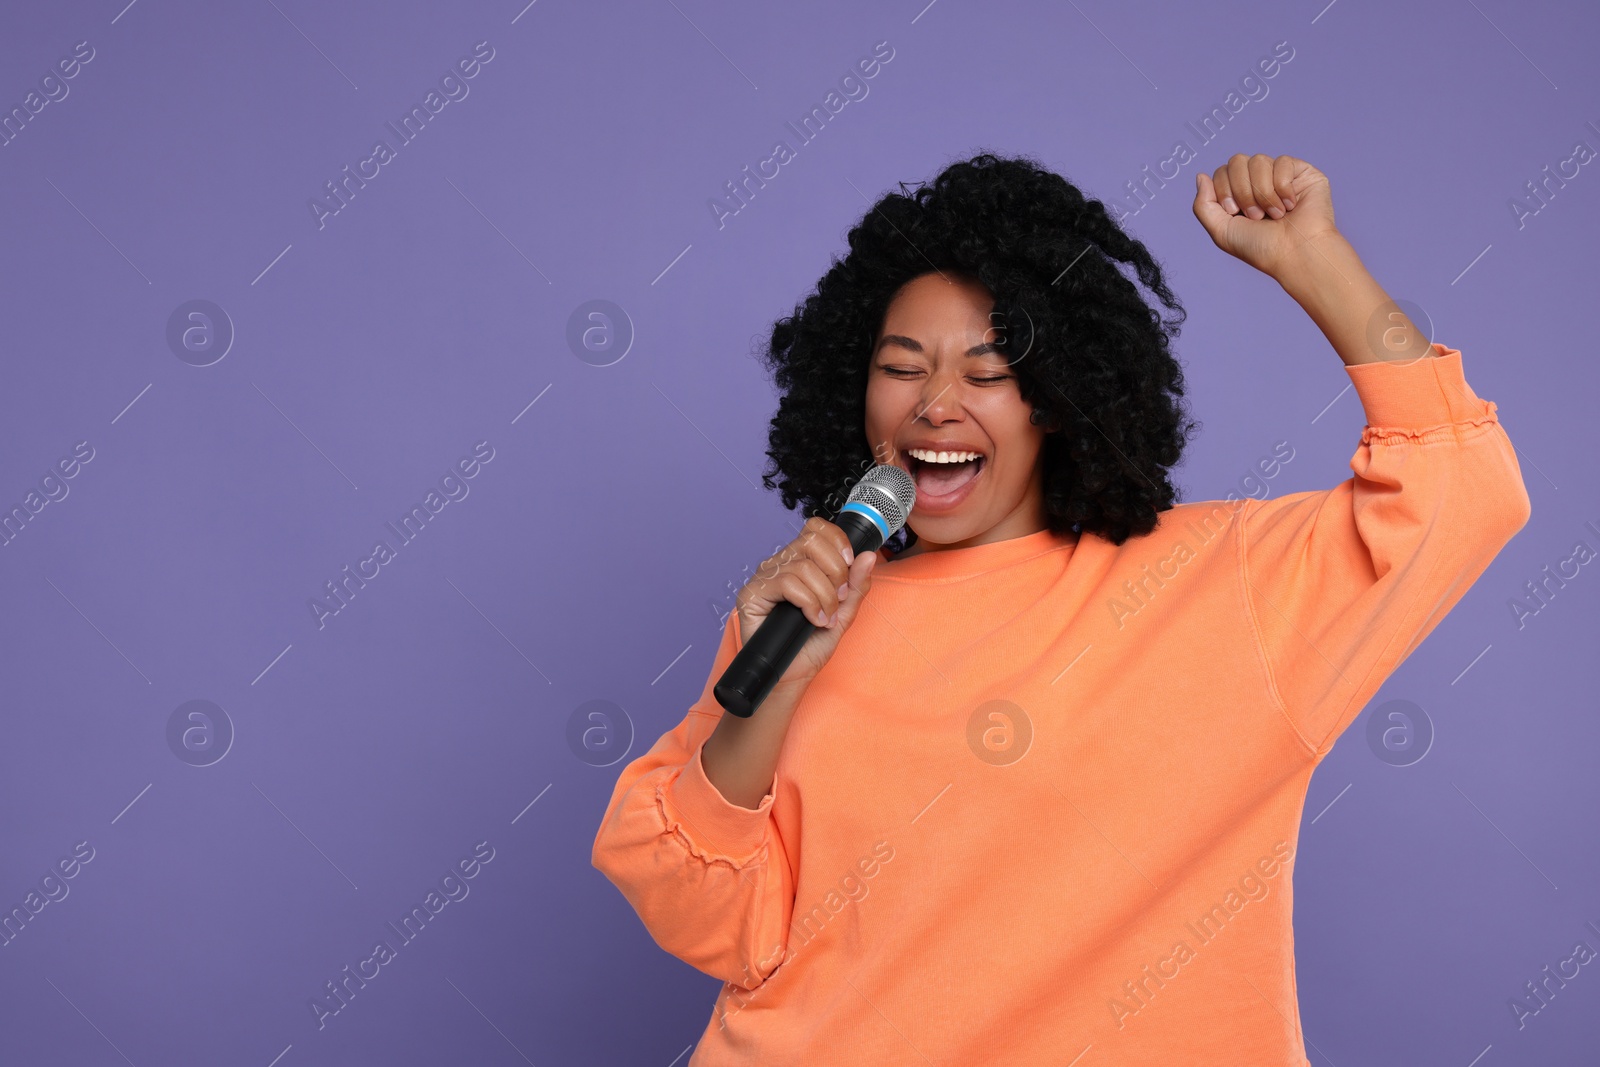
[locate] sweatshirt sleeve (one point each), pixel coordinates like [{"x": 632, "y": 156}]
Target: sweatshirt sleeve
[
  {"x": 709, "y": 879},
  {"x": 1341, "y": 584}
]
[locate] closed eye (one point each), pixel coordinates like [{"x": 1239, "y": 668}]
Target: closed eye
[{"x": 900, "y": 372}]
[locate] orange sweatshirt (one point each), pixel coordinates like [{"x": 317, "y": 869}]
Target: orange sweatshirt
[{"x": 1043, "y": 802}]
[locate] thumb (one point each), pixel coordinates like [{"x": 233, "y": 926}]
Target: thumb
[{"x": 860, "y": 580}]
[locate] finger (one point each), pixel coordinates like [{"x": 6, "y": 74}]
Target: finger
[
  {"x": 826, "y": 546},
  {"x": 820, "y": 593},
  {"x": 774, "y": 563},
  {"x": 1224, "y": 195},
  {"x": 1261, "y": 187},
  {"x": 1284, "y": 168},
  {"x": 829, "y": 533},
  {"x": 791, "y": 588},
  {"x": 856, "y": 590},
  {"x": 1239, "y": 183},
  {"x": 796, "y": 549},
  {"x": 860, "y": 577}
]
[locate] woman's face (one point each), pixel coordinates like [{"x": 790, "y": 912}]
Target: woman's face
[{"x": 939, "y": 380}]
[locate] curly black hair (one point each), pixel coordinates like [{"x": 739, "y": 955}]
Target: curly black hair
[{"x": 1098, "y": 368}]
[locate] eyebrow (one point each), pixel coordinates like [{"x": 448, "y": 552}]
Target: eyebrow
[{"x": 916, "y": 346}]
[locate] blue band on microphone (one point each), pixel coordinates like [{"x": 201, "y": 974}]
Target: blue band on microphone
[{"x": 870, "y": 512}]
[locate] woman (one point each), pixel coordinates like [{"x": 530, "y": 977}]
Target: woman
[{"x": 1042, "y": 801}]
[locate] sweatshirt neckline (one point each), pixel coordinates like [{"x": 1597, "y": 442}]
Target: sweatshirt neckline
[{"x": 948, "y": 563}]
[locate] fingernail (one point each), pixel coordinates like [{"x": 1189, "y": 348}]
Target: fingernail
[
  {"x": 1275, "y": 212},
  {"x": 1229, "y": 203},
  {"x": 844, "y": 590},
  {"x": 1288, "y": 203},
  {"x": 849, "y": 557}
]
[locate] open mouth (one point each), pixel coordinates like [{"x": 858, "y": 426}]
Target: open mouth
[{"x": 944, "y": 480}]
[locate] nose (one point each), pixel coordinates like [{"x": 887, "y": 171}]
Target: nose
[{"x": 941, "y": 400}]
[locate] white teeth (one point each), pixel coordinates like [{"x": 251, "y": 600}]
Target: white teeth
[{"x": 942, "y": 457}]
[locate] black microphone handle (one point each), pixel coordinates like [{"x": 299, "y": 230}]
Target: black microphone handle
[{"x": 767, "y": 653}]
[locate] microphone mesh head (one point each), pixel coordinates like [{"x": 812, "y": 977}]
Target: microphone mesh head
[{"x": 890, "y": 490}]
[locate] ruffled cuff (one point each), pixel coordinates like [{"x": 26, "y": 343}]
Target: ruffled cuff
[
  {"x": 1418, "y": 394},
  {"x": 709, "y": 824}
]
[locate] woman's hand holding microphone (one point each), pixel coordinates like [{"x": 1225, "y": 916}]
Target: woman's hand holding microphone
[
  {"x": 741, "y": 755},
  {"x": 814, "y": 572}
]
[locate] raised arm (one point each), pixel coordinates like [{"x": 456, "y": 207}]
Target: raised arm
[{"x": 1344, "y": 583}]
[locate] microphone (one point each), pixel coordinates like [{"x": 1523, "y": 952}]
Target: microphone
[{"x": 877, "y": 507}]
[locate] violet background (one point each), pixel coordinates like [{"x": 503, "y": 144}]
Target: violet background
[{"x": 593, "y": 555}]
